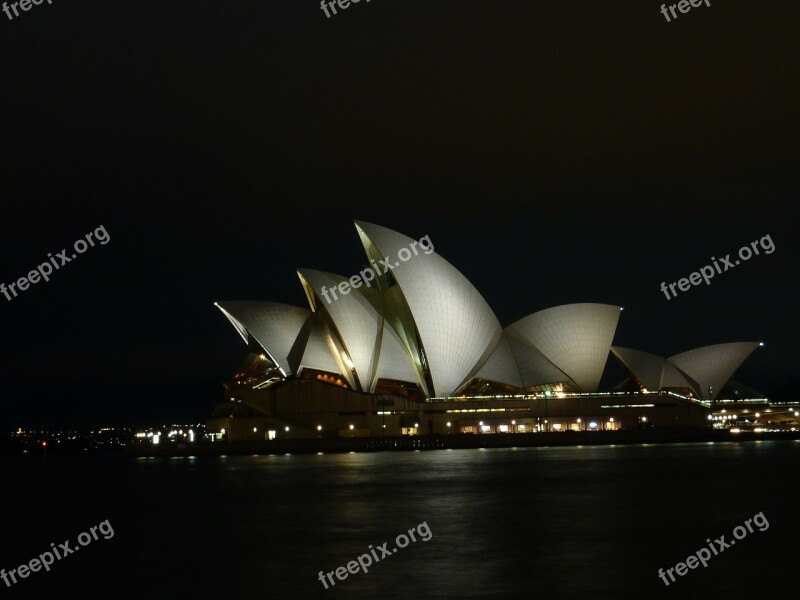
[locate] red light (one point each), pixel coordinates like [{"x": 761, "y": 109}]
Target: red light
[{"x": 44, "y": 444}]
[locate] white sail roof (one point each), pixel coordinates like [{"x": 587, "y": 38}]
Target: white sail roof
[
  {"x": 457, "y": 327},
  {"x": 356, "y": 320},
  {"x": 712, "y": 366},
  {"x": 574, "y": 337},
  {"x": 654, "y": 372},
  {"x": 275, "y": 327}
]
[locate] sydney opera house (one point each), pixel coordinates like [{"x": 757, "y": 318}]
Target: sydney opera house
[{"x": 414, "y": 349}]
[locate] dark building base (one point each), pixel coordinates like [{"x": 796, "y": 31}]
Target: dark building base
[{"x": 434, "y": 442}]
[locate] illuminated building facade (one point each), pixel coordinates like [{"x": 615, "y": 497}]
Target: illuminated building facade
[{"x": 418, "y": 350}]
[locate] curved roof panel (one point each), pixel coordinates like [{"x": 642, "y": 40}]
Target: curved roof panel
[
  {"x": 534, "y": 368},
  {"x": 645, "y": 366},
  {"x": 319, "y": 354},
  {"x": 356, "y": 320},
  {"x": 574, "y": 337},
  {"x": 456, "y": 325},
  {"x": 654, "y": 372},
  {"x": 394, "y": 361},
  {"x": 713, "y": 366},
  {"x": 275, "y": 327},
  {"x": 502, "y": 366}
]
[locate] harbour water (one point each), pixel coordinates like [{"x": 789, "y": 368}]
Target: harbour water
[{"x": 550, "y": 522}]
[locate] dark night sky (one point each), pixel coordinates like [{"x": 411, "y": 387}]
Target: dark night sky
[{"x": 554, "y": 152}]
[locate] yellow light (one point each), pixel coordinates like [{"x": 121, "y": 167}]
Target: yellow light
[
  {"x": 351, "y": 427},
  {"x": 319, "y": 427}
]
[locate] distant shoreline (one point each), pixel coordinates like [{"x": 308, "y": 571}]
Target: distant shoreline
[{"x": 441, "y": 442}]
